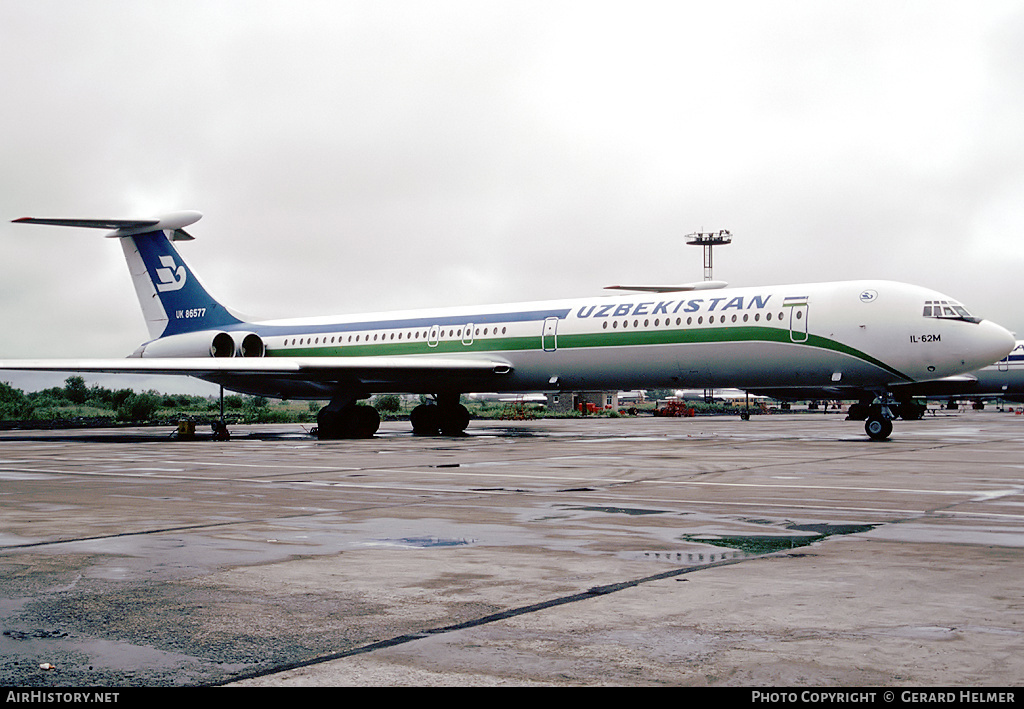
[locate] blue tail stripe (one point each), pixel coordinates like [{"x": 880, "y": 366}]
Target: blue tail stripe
[{"x": 187, "y": 304}]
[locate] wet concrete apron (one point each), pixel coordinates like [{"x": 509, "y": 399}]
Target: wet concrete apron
[{"x": 633, "y": 551}]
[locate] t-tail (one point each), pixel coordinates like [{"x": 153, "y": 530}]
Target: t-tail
[{"x": 174, "y": 302}]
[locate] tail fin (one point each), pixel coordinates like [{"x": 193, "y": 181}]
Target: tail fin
[{"x": 172, "y": 299}]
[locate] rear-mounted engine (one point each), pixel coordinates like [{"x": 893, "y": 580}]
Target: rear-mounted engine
[{"x": 206, "y": 344}]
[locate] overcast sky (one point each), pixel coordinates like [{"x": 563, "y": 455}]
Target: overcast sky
[{"x": 352, "y": 156}]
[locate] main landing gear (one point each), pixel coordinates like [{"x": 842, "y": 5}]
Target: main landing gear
[
  {"x": 343, "y": 418},
  {"x": 346, "y": 419},
  {"x": 447, "y": 417}
]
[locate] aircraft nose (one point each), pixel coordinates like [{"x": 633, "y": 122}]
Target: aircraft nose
[{"x": 993, "y": 342}]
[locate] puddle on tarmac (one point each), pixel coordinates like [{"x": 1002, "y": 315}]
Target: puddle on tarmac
[
  {"x": 609, "y": 509},
  {"x": 419, "y": 542},
  {"x": 758, "y": 544}
]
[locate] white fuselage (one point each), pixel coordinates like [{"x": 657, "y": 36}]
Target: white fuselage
[{"x": 870, "y": 334}]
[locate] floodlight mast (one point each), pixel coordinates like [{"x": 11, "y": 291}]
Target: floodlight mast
[{"x": 709, "y": 240}]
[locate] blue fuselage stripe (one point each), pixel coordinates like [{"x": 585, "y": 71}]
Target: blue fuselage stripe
[{"x": 360, "y": 326}]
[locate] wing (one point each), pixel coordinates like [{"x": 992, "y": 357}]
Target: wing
[
  {"x": 701, "y": 285},
  {"x": 298, "y": 376}
]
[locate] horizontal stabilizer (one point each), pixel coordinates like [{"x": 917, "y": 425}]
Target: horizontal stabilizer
[
  {"x": 92, "y": 223},
  {"x": 700, "y": 285},
  {"x": 173, "y": 222}
]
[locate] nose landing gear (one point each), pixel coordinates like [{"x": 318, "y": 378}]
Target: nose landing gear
[
  {"x": 878, "y": 427},
  {"x": 878, "y": 424}
]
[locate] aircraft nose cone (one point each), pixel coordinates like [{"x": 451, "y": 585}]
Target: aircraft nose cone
[{"x": 993, "y": 343}]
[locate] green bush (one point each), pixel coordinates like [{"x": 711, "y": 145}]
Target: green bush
[{"x": 139, "y": 407}]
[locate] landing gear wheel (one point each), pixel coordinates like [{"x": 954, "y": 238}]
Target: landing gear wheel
[
  {"x": 878, "y": 428},
  {"x": 425, "y": 420},
  {"x": 454, "y": 420},
  {"x": 365, "y": 422},
  {"x": 347, "y": 422},
  {"x": 448, "y": 420}
]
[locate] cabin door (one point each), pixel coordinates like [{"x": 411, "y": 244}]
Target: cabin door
[
  {"x": 549, "y": 336},
  {"x": 797, "y": 319}
]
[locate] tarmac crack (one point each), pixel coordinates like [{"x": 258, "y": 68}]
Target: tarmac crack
[{"x": 590, "y": 593}]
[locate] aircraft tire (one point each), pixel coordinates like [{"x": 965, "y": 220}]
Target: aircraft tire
[
  {"x": 425, "y": 420},
  {"x": 453, "y": 420},
  {"x": 365, "y": 421},
  {"x": 327, "y": 424},
  {"x": 878, "y": 428},
  {"x": 349, "y": 422}
]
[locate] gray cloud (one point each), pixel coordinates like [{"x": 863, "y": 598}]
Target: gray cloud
[{"x": 357, "y": 156}]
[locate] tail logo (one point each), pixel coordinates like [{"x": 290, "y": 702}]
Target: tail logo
[{"x": 170, "y": 278}]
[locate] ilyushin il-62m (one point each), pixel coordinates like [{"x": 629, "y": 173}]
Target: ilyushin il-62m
[{"x": 856, "y": 335}]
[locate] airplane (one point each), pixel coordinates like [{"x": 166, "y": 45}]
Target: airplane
[
  {"x": 1001, "y": 380},
  {"x": 863, "y": 335}
]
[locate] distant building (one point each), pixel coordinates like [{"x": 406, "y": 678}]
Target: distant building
[{"x": 566, "y": 401}]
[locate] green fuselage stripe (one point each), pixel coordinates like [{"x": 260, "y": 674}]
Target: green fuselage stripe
[{"x": 619, "y": 338}]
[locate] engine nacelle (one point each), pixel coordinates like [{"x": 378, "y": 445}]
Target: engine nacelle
[
  {"x": 248, "y": 344},
  {"x": 191, "y": 344}
]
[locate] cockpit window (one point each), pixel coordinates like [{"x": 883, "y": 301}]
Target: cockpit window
[{"x": 948, "y": 310}]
